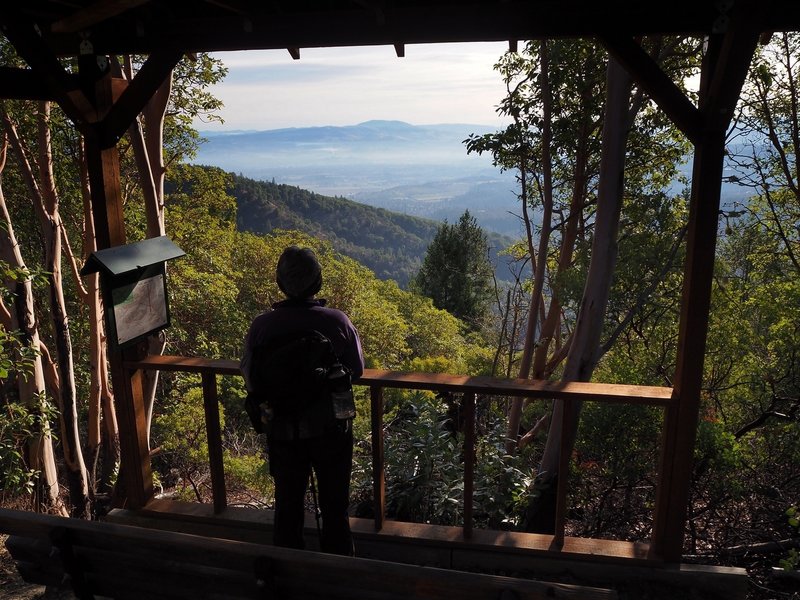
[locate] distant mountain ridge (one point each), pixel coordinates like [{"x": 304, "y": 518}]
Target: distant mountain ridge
[
  {"x": 419, "y": 170},
  {"x": 393, "y": 245},
  {"x": 447, "y": 134}
]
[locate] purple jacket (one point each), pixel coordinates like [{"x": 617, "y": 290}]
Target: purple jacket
[{"x": 297, "y": 315}]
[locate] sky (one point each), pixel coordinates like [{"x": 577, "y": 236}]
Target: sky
[{"x": 432, "y": 84}]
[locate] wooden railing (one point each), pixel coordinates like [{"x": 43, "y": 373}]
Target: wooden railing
[{"x": 377, "y": 380}]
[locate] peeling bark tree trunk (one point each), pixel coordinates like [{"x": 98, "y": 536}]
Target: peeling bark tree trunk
[
  {"x": 45, "y": 201},
  {"x": 538, "y": 256},
  {"x": 585, "y": 343},
  {"x": 52, "y": 226},
  {"x": 39, "y": 454}
]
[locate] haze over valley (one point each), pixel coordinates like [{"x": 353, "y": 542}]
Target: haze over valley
[{"x": 418, "y": 170}]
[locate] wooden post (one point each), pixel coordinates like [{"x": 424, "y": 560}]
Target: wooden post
[
  {"x": 724, "y": 70},
  {"x": 681, "y": 416},
  {"x": 104, "y": 180},
  {"x": 378, "y": 472},
  {"x": 214, "y": 438},
  {"x": 135, "y": 475},
  {"x": 567, "y": 416},
  {"x": 469, "y": 461}
]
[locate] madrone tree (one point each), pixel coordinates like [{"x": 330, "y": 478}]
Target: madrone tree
[{"x": 577, "y": 125}]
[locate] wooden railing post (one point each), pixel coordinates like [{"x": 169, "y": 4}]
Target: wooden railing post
[
  {"x": 378, "y": 472},
  {"x": 469, "y": 461},
  {"x": 567, "y": 416},
  {"x": 214, "y": 434}
]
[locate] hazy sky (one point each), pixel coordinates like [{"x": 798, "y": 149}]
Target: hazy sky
[{"x": 433, "y": 83}]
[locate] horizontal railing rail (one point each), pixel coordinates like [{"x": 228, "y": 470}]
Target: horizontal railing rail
[{"x": 378, "y": 380}]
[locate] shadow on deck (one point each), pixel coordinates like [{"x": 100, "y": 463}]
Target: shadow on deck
[{"x": 594, "y": 564}]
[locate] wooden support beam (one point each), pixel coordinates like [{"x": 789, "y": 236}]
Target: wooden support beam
[
  {"x": 735, "y": 55},
  {"x": 569, "y": 414},
  {"x": 649, "y": 76},
  {"x": 235, "y": 6},
  {"x": 469, "y": 460},
  {"x": 61, "y": 86},
  {"x": 104, "y": 179},
  {"x": 442, "y": 382},
  {"x": 25, "y": 84},
  {"x": 103, "y": 168},
  {"x": 214, "y": 441},
  {"x": 151, "y": 76},
  {"x": 135, "y": 470},
  {"x": 136, "y": 562},
  {"x": 525, "y": 388}
]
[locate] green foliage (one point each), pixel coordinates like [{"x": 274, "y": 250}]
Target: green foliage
[
  {"x": 16, "y": 357},
  {"x": 456, "y": 273},
  {"x": 248, "y": 474},
  {"x": 190, "y": 99},
  {"x": 425, "y": 470},
  {"x": 718, "y": 458},
  {"x": 556, "y": 103},
  {"x": 791, "y": 562},
  {"x": 19, "y": 422},
  {"x": 225, "y": 280},
  {"x": 424, "y": 477},
  {"x": 181, "y": 435},
  {"x": 17, "y": 428},
  {"x": 200, "y": 219},
  {"x": 614, "y": 472}
]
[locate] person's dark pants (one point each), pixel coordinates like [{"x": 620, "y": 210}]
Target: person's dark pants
[{"x": 290, "y": 464}]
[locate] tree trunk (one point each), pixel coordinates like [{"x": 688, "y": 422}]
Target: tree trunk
[
  {"x": 538, "y": 257},
  {"x": 39, "y": 452},
  {"x": 51, "y": 227},
  {"x": 45, "y": 202},
  {"x": 584, "y": 348}
]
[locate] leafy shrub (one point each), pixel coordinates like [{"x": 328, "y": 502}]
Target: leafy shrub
[
  {"x": 17, "y": 424},
  {"x": 424, "y": 466}
]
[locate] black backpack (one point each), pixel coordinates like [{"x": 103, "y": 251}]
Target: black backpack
[{"x": 299, "y": 386}]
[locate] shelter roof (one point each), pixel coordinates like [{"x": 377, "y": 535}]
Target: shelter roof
[{"x": 143, "y": 26}]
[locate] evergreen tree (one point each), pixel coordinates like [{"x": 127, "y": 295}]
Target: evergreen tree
[{"x": 456, "y": 273}]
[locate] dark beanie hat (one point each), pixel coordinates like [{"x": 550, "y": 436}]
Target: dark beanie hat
[{"x": 299, "y": 274}]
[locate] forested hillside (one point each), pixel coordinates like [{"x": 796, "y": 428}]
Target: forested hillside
[{"x": 390, "y": 244}]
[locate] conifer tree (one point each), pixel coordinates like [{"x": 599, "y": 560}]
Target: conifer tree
[{"x": 456, "y": 273}]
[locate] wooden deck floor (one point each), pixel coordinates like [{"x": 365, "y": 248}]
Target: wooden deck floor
[{"x": 621, "y": 565}]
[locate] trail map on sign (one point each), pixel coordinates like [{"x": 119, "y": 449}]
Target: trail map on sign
[{"x": 139, "y": 308}]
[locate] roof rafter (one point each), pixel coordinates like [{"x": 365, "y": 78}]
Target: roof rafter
[{"x": 98, "y": 12}]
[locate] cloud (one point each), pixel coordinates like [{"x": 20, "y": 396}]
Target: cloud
[{"x": 433, "y": 83}]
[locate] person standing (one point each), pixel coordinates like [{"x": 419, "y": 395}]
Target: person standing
[{"x": 326, "y": 446}]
